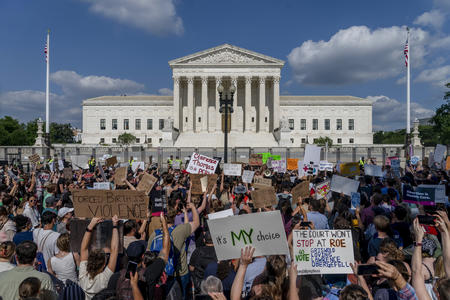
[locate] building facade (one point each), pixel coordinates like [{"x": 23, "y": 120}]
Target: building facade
[{"x": 261, "y": 117}]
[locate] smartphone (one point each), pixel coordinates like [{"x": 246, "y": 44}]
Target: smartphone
[
  {"x": 132, "y": 267},
  {"x": 426, "y": 219},
  {"x": 367, "y": 269},
  {"x": 305, "y": 224}
]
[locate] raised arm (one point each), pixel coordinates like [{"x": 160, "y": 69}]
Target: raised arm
[
  {"x": 87, "y": 238},
  {"x": 238, "y": 282},
  {"x": 195, "y": 218},
  {"x": 164, "y": 253},
  {"x": 114, "y": 244},
  {"x": 417, "y": 281}
]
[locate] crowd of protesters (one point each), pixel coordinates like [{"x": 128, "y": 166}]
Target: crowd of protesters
[{"x": 173, "y": 253}]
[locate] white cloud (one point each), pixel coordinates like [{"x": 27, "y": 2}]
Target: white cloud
[
  {"x": 158, "y": 17},
  {"x": 389, "y": 113},
  {"x": 165, "y": 92},
  {"x": 434, "y": 18},
  {"x": 66, "y": 107},
  {"x": 437, "y": 76},
  {"x": 354, "y": 55}
]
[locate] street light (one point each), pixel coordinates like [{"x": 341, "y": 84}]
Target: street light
[{"x": 226, "y": 106}]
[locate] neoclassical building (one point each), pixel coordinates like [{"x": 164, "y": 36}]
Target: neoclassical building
[{"x": 261, "y": 117}]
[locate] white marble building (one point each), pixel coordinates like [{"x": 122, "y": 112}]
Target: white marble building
[{"x": 261, "y": 118}]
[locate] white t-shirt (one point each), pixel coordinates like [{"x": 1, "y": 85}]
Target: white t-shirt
[
  {"x": 46, "y": 242},
  {"x": 93, "y": 286}
]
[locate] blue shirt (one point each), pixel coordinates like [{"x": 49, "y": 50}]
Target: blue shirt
[{"x": 319, "y": 220}]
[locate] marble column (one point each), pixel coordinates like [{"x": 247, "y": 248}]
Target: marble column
[
  {"x": 248, "y": 102},
  {"x": 262, "y": 102},
  {"x": 218, "y": 116},
  {"x": 204, "y": 125},
  {"x": 276, "y": 102},
  {"x": 176, "y": 102},
  {"x": 190, "y": 104}
]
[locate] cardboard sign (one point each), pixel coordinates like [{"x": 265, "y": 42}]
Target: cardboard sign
[
  {"x": 292, "y": 164},
  {"x": 419, "y": 195},
  {"x": 349, "y": 169},
  {"x": 261, "y": 181},
  {"x": 197, "y": 185},
  {"x": 126, "y": 204},
  {"x": 68, "y": 173},
  {"x": 137, "y": 165},
  {"x": 100, "y": 237},
  {"x": 111, "y": 162},
  {"x": 221, "y": 214},
  {"x": 311, "y": 160},
  {"x": 146, "y": 183},
  {"x": 120, "y": 175},
  {"x": 264, "y": 231},
  {"x": 201, "y": 164},
  {"x": 373, "y": 170},
  {"x": 356, "y": 200},
  {"x": 34, "y": 158},
  {"x": 325, "y": 166},
  {"x": 323, "y": 251},
  {"x": 300, "y": 190},
  {"x": 102, "y": 186},
  {"x": 322, "y": 189},
  {"x": 247, "y": 176},
  {"x": 255, "y": 160},
  {"x": 279, "y": 166},
  {"x": 344, "y": 185},
  {"x": 439, "y": 192},
  {"x": 264, "y": 197},
  {"x": 439, "y": 153},
  {"x": 232, "y": 169}
]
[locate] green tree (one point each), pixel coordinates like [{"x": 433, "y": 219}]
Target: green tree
[
  {"x": 126, "y": 138},
  {"x": 321, "y": 141},
  {"x": 441, "y": 120}
]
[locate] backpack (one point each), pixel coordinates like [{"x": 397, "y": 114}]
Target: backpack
[{"x": 157, "y": 245}]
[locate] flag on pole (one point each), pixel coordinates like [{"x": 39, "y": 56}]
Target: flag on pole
[{"x": 405, "y": 51}]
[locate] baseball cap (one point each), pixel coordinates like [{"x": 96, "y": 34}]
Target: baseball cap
[
  {"x": 136, "y": 249},
  {"x": 64, "y": 210}
]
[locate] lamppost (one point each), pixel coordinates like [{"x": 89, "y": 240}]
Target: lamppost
[{"x": 226, "y": 106}]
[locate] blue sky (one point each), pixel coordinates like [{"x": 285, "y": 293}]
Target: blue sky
[{"x": 111, "y": 47}]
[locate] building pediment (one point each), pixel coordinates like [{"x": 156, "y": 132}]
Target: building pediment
[{"x": 226, "y": 55}]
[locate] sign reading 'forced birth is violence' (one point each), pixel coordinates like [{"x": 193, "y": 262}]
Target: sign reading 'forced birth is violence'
[{"x": 126, "y": 204}]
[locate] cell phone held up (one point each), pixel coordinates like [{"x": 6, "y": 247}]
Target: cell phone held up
[
  {"x": 370, "y": 269},
  {"x": 132, "y": 267}
]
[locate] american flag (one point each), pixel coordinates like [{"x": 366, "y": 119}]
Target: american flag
[{"x": 405, "y": 51}]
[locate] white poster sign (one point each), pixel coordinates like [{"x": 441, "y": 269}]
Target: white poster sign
[
  {"x": 373, "y": 170},
  {"x": 344, "y": 185},
  {"x": 201, "y": 164},
  {"x": 325, "y": 166},
  {"x": 323, "y": 251},
  {"x": 232, "y": 169},
  {"x": 221, "y": 214},
  {"x": 137, "y": 165},
  {"x": 247, "y": 176},
  {"x": 102, "y": 186},
  {"x": 279, "y": 166},
  {"x": 264, "y": 231}
]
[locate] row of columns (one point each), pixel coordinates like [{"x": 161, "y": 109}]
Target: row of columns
[{"x": 204, "y": 101}]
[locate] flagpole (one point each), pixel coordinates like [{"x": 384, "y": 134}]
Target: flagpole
[
  {"x": 408, "y": 86},
  {"x": 47, "y": 90}
]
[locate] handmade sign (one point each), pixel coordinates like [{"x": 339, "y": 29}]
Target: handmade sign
[
  {"x": 264, "y": 231},
  {"x": 292, "y": 164},
  {"x": 255, "y": 160},
  {"x": 34, "y": 158},
  {"x": 120, "y": 175},
  {"x": 373, "y": 170},
  {"x": 264, "y": 197},
  {"x": 323, "y": 251},
  {"x": 67, "y": 173},
  {"x": 196, "y": 183},
  {"x": 111, "y": 162},
  {"x": 261, "y": 181},
  {"x": 311, "y": 161},
  {"x": 325, "y": 166},
  {"x": 356, "y": 200},
  {"x": 421, "y": 195},
  {"x": 146, "y": 183},
  {"x": 247, "y": 176},
  {"x": 439, "y": 192},
  {"x": 279, "y": 166},
  {"x": 102, "y": 186},
  {"x": 232, "y": 169},
  {"x": 201, "y": 164},
  {"x": 344, "y": 185},
  {"x": 300, "y": 190},
  {"x": 135, "y": 165},
  {"x": 221, "y": 214},
  {"x": 322, "y": 189},
  {"x": 349, "y": 169},
  {"x": 126, "y": 204}
]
